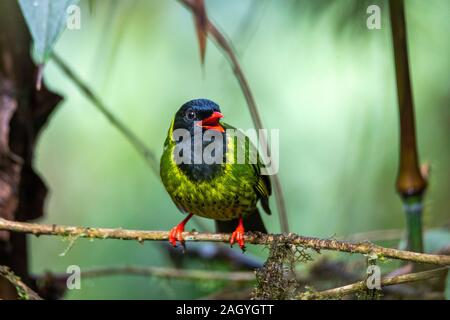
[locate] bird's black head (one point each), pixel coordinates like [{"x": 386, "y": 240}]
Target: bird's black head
[
  {"x": 205, "y": 114},
  {"x": 202, "y": 112}
]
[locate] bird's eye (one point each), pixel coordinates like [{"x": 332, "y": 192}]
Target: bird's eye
[{"x": 190, "y": 115}]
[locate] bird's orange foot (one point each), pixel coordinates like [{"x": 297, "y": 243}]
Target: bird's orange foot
[
  {"x": 238, "y": 235},
  {"x": 176, "y": 233}
]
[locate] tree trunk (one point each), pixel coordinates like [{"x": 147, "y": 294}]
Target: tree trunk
[{"x": 23, "y": 113}]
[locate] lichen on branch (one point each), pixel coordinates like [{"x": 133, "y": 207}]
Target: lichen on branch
[{"x": 250, "y": 238}]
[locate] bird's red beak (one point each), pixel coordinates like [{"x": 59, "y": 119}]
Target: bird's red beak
[{"x": 212, "y": 122}]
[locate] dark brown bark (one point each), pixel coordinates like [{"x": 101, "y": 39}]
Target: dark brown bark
[{"x": 23, "y": 112}]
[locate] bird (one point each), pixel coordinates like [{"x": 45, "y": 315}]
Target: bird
[{"x": 227, "y": 192}]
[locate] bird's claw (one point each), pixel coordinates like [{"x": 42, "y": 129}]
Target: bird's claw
[
  {"x": 176, "y": 234},
  {"x": 238, "y": 236}
]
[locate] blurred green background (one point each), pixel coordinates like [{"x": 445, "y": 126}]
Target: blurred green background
[{"x": 318, "y": 74}]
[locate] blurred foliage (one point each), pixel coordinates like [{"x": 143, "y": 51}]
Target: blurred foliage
[
  {"x": 317, "y": 74},
  {"x": 46, "y": 20},
  {"x": 447, "y": 287},
  {"x": 436, "y": 239}
]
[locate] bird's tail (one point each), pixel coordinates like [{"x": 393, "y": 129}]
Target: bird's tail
[{"x": 252, "y": 222}]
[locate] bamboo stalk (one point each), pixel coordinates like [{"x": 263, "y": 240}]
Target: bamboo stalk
[
  {"x": 411, "y": 185},
  {"x": 23, "y": 291}
]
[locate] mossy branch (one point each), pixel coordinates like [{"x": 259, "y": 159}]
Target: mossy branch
[
  {"x": 23, "y": 291},
  {"x": 411, "y": 184},
  {"x": 340, "y": 292},
  {"x": 250, "y": 238}
]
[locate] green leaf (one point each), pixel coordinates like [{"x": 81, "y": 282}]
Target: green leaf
[{"x": 46, "y": 19}]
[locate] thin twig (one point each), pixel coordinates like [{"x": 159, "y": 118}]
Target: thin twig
[
  {"x": 225, "y": 45},
  {"x": 361, "y": 285},
  {"x": 147, "y": 154},
  {"x": 140, "y": 146},
  {"x": 23, "y": 291},
  {"x": 160, "y": 272},
  {"x": 250, "y": 238}
]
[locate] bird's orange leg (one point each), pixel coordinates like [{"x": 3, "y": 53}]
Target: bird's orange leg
[
  {"x": 238, "y": 234},
  {"x": 176, "y": 233}
]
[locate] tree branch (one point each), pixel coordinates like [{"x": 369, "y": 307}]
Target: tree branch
[
  {"x": 411, "y": 185},
  {"x": 361, "y": 285},
  {"x": 251, "y": 238},
  {"x": 23, "y": 291},
  {"x": 160, "y": 272}
]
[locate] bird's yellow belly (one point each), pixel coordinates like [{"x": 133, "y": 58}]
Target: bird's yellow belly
[
  {"x": 224, "y": 197},
  {"x": 214, "y": 201}
]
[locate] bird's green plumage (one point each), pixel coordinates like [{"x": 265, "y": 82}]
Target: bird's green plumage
[{"x": 233, "y": 192}]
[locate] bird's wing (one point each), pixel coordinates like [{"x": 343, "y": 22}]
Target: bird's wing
[{"x": 263, "y": 187}]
